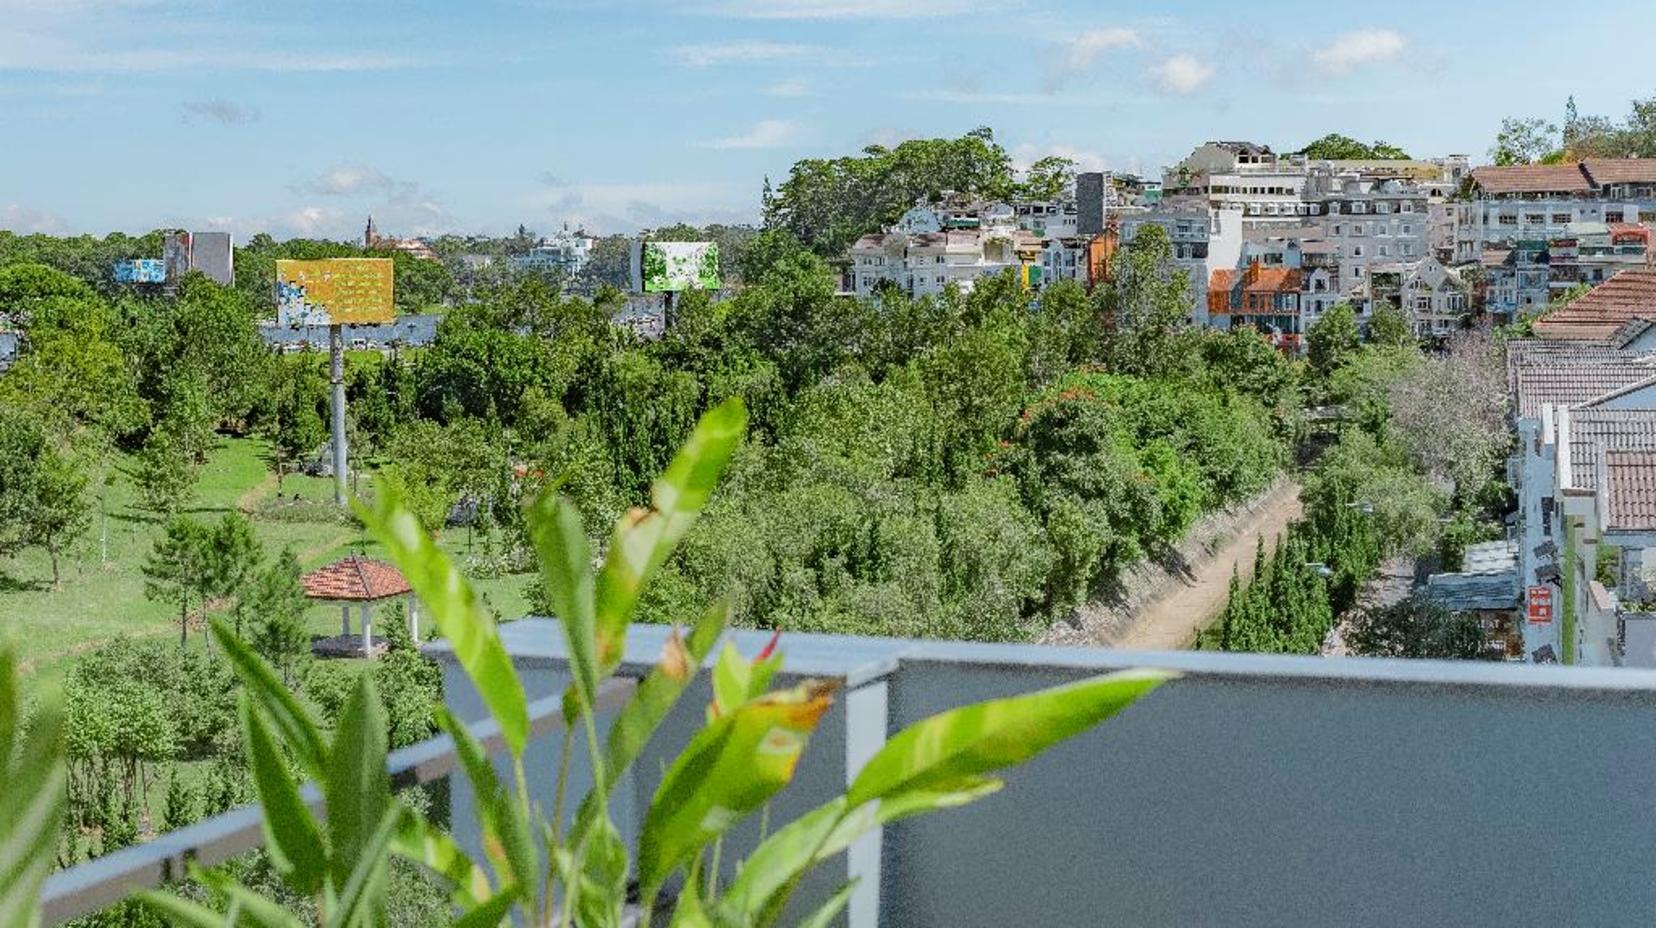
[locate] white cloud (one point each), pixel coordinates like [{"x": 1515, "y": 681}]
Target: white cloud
[
  {"x": 1181, "y": 74},
  {"x": 1081, "y": 51},
  {"x": 628, "y": 207},
  {"x": 767, "y": 133},
  {"x": 1351, "y": 50},
  {"x": 714, "y": 53},
  {"x": 1027, "y": 154},
  {"x": 846, "y": 9},
  {"x": 26, "y": 221},
  {"x": 224, "y": 112},
  {"x": 348, "y": 180},
  {"x": 990, "y": 97},
  {"x": 788, "y": 89}
]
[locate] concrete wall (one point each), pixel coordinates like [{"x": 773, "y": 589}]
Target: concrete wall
[{"x": 1257, "y": 790}]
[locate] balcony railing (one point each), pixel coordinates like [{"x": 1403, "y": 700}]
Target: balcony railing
[{"x": 1258, "y": 790}]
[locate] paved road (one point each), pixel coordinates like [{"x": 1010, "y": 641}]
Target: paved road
[{"x": 1172, "y": 622}]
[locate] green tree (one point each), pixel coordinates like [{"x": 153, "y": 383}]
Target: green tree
[
  {"x": 1050, "y": 178},
  {"x": 231, "y": 558},
  {"x": 1337, "y": 147},
  {"x": 272, "y": 612},
  {"x": 1145, "y": 308},
  {"x": 1525, "y": 141},
  {"x": 43, "y": 500},
  {"x": 828, "y": 203},
  {"x": 1388, "y": 327},
  {"x": 1416, "y": 627},
  {"x": 165, "y": 473},
  {"x": 178, "y": 568},
  {"x": 1332, "y": 340}
]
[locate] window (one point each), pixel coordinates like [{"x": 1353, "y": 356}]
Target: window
[
  {"x": 1408, "y": 229},
  {"x": 1408, "y": 249},
  {"x": 1423, "y": 303},
  {"x": 1357, "y": 271},
  {"x": 939, "y": 259},
  {"x": 1534, "y": 219},
  {"x": 1356, "y": 251},
  {"x": 1339, "y": 230},
  {"x": 1561, "y": 219},
  {"x": 1507, "y": 219},
  {"x": 1385, "y": 251},
  {"x": 1407, "y": 207}
]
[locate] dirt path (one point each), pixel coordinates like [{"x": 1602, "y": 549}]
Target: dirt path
[
  {"x": 249, "y": 500},
  {"x": 1172, "y": 622}
]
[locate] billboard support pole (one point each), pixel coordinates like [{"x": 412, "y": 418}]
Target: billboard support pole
[{"x": 336, "y": 371}]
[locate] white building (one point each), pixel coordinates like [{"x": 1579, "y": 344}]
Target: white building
[
  {"x": 922, "y": 256},
  {"x": 1205, "y": 239},
  {"x": 1434, "y": 298},
  {"x": 563, "y": 250},
  {"x": 1539, "y": 202}
]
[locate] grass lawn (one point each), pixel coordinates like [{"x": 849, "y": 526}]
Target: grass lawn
[{"x": 102, "y": 594}]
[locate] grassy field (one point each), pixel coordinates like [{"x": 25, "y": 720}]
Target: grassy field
[{"x": 102, "y": 593}]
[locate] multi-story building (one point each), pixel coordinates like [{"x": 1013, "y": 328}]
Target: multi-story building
[
  {"x": 922, "y": 255},
  {"x": 413, "y": 247},
  {"x": 1266, "y": 298},
  {"x": 1434, "y": 298},
  {"x": 1242, "y": 176},
  {"x": 563, "y": 251},
  {"x": 1205, "y": 239},
  {"x": 1525, "y": 275},
  {"x": 1539, "y": 202}
]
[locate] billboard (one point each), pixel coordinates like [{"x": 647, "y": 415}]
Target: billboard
[
  {"x": 175, "y": 253},
  {"x": 210, "y": 253},
  {"x": 334, "y": 291},
  {"x": 141, "y": 271},
  {"x": 667, "y": 267}
]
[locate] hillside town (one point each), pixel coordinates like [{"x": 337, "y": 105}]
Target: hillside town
[{"x": 827, "y": 463}]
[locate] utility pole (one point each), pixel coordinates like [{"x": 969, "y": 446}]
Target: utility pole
[{"x": 336, "y": 351}]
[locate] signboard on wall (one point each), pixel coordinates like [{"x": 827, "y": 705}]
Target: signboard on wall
[
  {"x": 141, "y": 271},
  {"x": 175, "y": 253},
  {"x": 668, "y": 267},
  {"x": 334, "y": 291},
  {"x": 1539, "y": 608}
]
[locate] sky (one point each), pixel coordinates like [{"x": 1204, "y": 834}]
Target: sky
[{"x": 302, "y": 117}]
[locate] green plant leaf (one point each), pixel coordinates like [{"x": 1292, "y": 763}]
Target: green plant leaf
[
  {"x": 768, "y": 874},
  {"x": 489, "y": 914},
  {"x": 356, "y": 787},
  {"x": 507, "y": 838},
  {"x": 566, "y": 568},
  {"x": 603, "y": 877},
  {"x": 645, "y": 538},
  {"x": 291, "y": 836},
  {"x": 298, "y": 730},
  {"x": 360, "y": 900},
  {"x": 729, "y": 769},
  {"x": 453, "y": 605},
  {"x": 31, "y": 801},
  {"x": 830, "y": 910},
  {"x": 257, "y": 909},
  {"x": 660, "y": 690},
  {"x": 988, "y": 736},
  {"x": 425, "y": 844}
]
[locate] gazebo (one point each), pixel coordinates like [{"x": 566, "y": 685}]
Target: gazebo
[{"x": 360, "y": 581}]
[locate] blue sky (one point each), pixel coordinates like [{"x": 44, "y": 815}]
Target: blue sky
[{"x": 301, "y": 117}]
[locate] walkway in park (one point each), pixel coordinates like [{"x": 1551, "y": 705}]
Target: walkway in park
[{"x": 1172, "y": 621}]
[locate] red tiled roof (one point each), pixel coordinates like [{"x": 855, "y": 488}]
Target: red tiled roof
[
  {"x": 1605, "y": 171},
  {"x": 1272, "y": 280},
  {"x": 355, "y": 578},
  {"x": 1631, "y": 294},
  {"x": 1533, "y": 178},
  {"x": 1221, "y": 279},
  {"x": 1630, "y": 478}
]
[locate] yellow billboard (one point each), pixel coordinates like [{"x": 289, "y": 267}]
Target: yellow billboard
[{"x": 334, "y": 291}]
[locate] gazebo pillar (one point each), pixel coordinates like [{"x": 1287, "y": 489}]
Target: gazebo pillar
[
  {"x": 344, "y": 618},
  {"x": 413, "y": 603},
  {"x": 368, "y": 629}
]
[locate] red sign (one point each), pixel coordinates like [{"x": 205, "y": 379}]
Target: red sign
[{"x": 1540, "y": 609}]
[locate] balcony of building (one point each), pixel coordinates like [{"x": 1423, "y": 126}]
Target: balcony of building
[{"x": 1254, "y": 790}]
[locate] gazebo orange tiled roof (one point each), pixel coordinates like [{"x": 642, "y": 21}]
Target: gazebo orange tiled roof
[{"x": 355, "y": 579}]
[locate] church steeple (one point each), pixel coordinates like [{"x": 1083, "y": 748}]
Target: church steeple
[{"x": 370, "y": 235}]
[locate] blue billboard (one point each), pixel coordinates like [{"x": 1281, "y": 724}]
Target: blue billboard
[{"x": 141, "y": 271}]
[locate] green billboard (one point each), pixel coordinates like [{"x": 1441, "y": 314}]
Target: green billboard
[{"x": 668, "y": 267}]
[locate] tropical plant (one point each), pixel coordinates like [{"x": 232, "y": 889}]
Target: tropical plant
[
  {"x": 542, "y": 871},
  {"x": 31, "y": 805}
]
